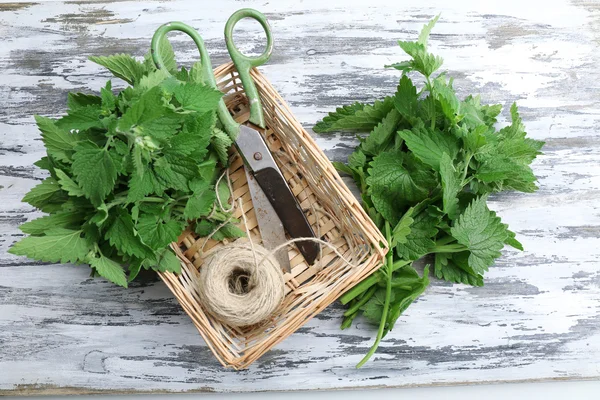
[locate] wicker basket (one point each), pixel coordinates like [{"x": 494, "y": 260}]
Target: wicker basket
[{"x": 332, "y": 210}]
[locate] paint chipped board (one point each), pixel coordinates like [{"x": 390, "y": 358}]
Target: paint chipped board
[{"x": 537, "y": 318}]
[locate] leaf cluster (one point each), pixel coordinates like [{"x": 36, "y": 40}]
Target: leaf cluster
[
  {"x": 128, "y": 171},
  {"x": 425, "y": 171}
]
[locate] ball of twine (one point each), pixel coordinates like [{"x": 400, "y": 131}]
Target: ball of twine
[{"x": 241, "y": 284}]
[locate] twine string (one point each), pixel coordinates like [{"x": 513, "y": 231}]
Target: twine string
[{"x": 242, "y": 283}]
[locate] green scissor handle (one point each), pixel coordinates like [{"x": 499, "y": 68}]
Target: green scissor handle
[{"x": 242, "y": 63}]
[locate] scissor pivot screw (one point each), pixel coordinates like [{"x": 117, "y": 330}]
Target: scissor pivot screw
[{"x": 257, "y": 156}]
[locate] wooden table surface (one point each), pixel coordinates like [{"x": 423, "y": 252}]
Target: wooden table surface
[{"x": 537, "y": 318}]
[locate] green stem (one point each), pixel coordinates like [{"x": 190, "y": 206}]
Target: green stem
[
  {"x": 386, "y": 304},
  {"x": 366, "y": 283},
  {"x": 449, "y": 248},
  {"x": 445, "y": 240},
  {"x": 431, "y": 103},
  {"x": 464, "y": 175},
  {"x": 108, "y": 142},
  {"x": 347, "y": 321},
  {"x": 121, "y": 200},
  {"x": 354, "y": 308}
]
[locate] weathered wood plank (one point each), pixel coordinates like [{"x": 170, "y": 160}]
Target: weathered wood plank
[{"x": 538, "y": 316}]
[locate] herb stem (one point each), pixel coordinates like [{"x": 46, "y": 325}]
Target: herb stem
[
  {"x": 445, "y": 240},
  {"x": 467, "y": 162},
  {"x": 355, "y": 307},
  {"x": 449, "y": 248},
  {"x": 366, "y": 283},
  {"x": 431, "y": 103},
  {"x": 388, "y": 296}
]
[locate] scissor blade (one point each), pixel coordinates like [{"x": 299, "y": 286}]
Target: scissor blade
[
  {"x": 257, "y": 156},
  {"x": 271, "y": 229}
]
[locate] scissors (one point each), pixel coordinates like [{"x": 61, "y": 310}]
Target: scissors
[{"x": 276, "y": 207}]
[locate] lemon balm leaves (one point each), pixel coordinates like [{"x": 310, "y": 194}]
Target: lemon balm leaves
[
  {"x": 57, "y": 245},
  {"x": 482, "y": 233},
  {"x": 361, "y": 117},
  {"x": 122, "y": 66},
  {"x": 430, "y": 180},
  {"x": 197, "y": 97},
  {"x": 58, "y": 142},
  {"x": 429, "y": 145},
  {"x": 95, "y": 171},
  {"x": 124, "y": 172},
  {"x": 109, "y": 269}
]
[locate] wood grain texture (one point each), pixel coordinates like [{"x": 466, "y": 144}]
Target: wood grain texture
[{"x": 538, "y": 317}]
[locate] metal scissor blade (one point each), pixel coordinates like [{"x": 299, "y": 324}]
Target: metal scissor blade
[
  {"x": 271, "y": 229},
  {"x": 257, "y": 156}
]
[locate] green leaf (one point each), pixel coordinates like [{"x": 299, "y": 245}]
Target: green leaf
[
  {"x": 151, "y": 80},
  {"x": 149, "y": 116},
  {"x": 167, "y": 261},
  {"x": 204, "y": 227},
  {"x": 404, "y": 66},
  {"x": 428, "y": 146},
  {"x": 167, "y": 55},
  {"x": 135, "y": 266},
  {"x": 387, "y": 175},
  {"x": 142, "y": 185},
  {"x": 221, "y": 143},
  {"x": 122, "y": 66},
  {"x": 229, "y": 231},
  {"x": 406, "y": 98},
  {"x": 454, "y": 268},
  {"x": 78, "y": 100},
  {"x": 46, "y": 223},
  {"x": 512, "y": 241},
  {"x": 385, "y": 205},
  {"x": 420, "y": 240},
  {"x": 95, "y": 171},
  {"x": 224, "y": 193},
  {"x": 201, "y": 202},
  {"x": 451, "y": 186},
  {"x": 109, "y": 269},
  {"x": 43, "y": 193},
  {"x": 176, "y": 172},
  {"x": 358, "y": 117},
  {"x": 448, "y": 101},
  {"x": 482, "y": 232},
  {"x": 197, "y": 97},
  {"x": 196, "y": 74},
  {"x": 58, "y": 142},
  {"x": 402, "y": 228},
  {"x": 426, "y": 31},
  {"x": 57, "y": 245},
  {"x": 158, "y": 233},
  {"x": 195, "y": 137},
  {"x": 109, "y": 100},
  {"x": 422, "y": 61},
  {"x": 373, "y": 309},
  {"x": 123, "y": 236},
  {"x": 67, "y": 184},
  {"x": 357, "y": 159},
  {"x": 101, "y": 215},
  {"x": 43, "y": 163},
  {"x": 382, "y": 135},
  {"x": 82, "y": 119},
  {"x": 473, "y": 138}
]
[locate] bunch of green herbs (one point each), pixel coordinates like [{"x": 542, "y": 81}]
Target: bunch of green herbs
[
  {"x": 128, "y": 171},
  {"x": 425, "y": 172}
]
